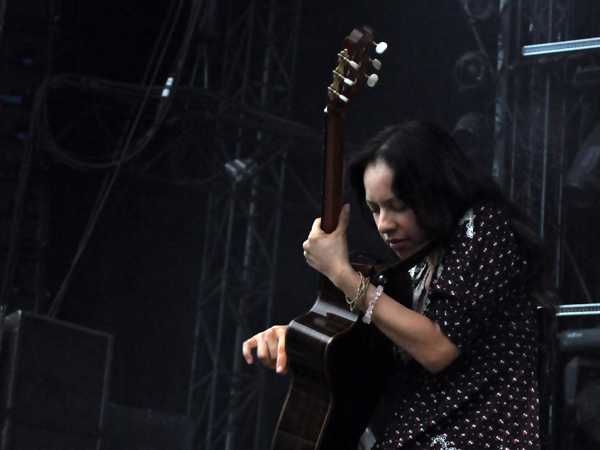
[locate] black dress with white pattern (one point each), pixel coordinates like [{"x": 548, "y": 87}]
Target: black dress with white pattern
[{"x": 488, "y": 397}]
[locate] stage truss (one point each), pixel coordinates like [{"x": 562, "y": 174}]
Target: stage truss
[{"x": 252, "y": 141}]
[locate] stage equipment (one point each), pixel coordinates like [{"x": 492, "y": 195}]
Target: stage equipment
[
  {"x": 585, "y": 77},
  {"x": 561, "y": 47},
  {"x": 583, "y": 179},
  {"x": 470, "y": 70},
  {"x": 577, "y": 391},
  {"x": 53, "y": 384},
  {"x": 130, "y": 428},
  {"x": 240, "y": 169},
  {"x": 473, "y": 133},
  {"x": 479, "y": 9}
]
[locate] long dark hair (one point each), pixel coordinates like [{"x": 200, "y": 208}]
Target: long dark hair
[{"x": 436, "y": 179}]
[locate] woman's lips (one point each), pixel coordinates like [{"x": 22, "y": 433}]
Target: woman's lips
[{"x": 397, "y": 244}]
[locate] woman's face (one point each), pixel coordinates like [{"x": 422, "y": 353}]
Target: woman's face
[{"x": 396, "y": 221}]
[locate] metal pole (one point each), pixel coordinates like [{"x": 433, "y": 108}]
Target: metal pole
[
  {"x": 219, "y": 336},
  {"x": 234, "y": 393}
]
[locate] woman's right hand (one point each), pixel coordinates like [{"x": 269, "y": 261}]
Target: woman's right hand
[{"x": 270, "y": 348}]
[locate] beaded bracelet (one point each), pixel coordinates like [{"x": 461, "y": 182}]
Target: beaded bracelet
[{"x": 372, "y": 300}]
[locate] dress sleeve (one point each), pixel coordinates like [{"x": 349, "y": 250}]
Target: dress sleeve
[{"x": 476, "y": 276}]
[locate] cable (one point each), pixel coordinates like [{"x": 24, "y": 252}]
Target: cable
[
  {"x": 119, "y": 160},
  {"x": 151, "y": 92}
]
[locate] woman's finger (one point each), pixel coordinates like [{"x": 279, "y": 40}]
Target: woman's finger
[
  {"x": 281, "y": 356},
  {"x": 247, "y": 347},
  {"x": 344, "y": 219}
]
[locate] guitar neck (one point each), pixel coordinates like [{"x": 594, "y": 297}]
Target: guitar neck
[
  {"x": 347, "y": 78},
  {"x": 333, "y": 169}
]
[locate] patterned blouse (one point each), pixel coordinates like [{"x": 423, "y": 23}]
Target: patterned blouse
[{"x": 488, "y": 397}]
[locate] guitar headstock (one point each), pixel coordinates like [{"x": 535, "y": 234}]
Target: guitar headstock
[{"x": 350, "y": 71}]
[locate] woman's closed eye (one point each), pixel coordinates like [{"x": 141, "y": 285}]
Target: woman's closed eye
[
  {"x": 400, "y": 207},
  {"x": 373, "y": 208}
]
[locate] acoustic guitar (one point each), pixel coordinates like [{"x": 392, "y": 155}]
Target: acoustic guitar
[{"x": 339, "y": 365}]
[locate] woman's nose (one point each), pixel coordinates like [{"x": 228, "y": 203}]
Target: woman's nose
[{"x": 385, "y": 224}]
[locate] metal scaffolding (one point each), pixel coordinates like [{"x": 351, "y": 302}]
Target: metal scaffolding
[
  {"x": 25, "y": 31},
  {"x": 243, "y": 221},
  {"x": 539, "y": 119},
  {"x": 531, "y": 116}
]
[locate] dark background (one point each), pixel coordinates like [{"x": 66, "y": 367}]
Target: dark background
[{"x": 138, "y": 276}]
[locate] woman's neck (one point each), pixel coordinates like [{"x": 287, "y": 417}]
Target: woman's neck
[{"x": 434, "y": 256}]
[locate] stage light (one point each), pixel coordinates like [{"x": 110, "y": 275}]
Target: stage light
[
  {"x": 479, "y": 9},
  {"x": 587, "y": 408},
  {"x": 240, "y": 169},
  {"x": 582, "y": 184},
  {"x": 470, "y": 70},
  {"x": 473, "y": 133},
  {"x": 573, "y": 416},
  {"x": 585, "y": 77},
  {"x": 472, "y": 126},
  {"x": 581, "y": 403}
]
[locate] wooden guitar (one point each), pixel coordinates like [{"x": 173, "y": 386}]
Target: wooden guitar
[{"x": 339, "y": 365}]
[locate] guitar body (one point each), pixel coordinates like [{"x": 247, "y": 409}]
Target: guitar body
[
  {"x": 340, "y": 367},
  {"x": 330, "y": 410}
]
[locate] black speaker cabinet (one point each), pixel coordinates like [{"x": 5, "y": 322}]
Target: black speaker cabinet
[
  {"x": 53, "y": 383},
  {"x": 24, "y": 436},
  {"x": 130, "y": 428}
]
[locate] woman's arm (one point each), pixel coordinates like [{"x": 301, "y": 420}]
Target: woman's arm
[{"x": 415, "y": 333}]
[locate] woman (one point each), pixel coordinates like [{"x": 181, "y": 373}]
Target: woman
[{"x": 469, "y": 344}]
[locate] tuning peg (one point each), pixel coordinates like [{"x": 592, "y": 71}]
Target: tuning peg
[
  {"x": 376, "y": 63},
  {"x": 338, "y": 95},
  {"x": 380, "y": 48},
  {"x": 348, "y": 61},
  {"x": 343, "y": 56},
  {"x": 347, "y": 81},
  {"x": 372, "y": 80}
]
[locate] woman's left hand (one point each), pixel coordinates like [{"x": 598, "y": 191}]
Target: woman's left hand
[{"x": 328, "y": 253}]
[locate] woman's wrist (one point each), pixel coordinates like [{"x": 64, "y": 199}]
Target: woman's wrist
[{"x": 347, "y": 280}]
